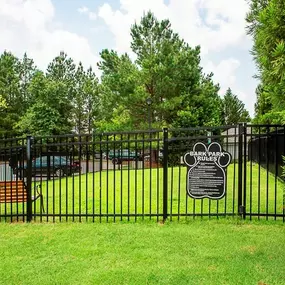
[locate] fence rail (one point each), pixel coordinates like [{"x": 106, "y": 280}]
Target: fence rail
[{"x": 140, "y": 175}]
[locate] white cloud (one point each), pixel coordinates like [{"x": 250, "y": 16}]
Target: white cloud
[
  {"x": 84, "y": 10},
  {"x": 92, "y": 16},
  {"x": 120, "y": 21},
  {"x": 221, "y": 26},
  {"x": 224, "y": 73},
  {"x": 75, "y": 46},
  {"x": 28, "y": 26}
]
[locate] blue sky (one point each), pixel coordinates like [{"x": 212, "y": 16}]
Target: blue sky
[{"x": 82, "y": 28}]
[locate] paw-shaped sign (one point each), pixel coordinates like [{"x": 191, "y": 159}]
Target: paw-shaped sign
[{"x": 206, "y": 175}]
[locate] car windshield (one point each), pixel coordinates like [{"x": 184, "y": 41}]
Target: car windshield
[
  {"x": 60, "y": 159},
  {"x": 57, "y": 159},
  {"x": 42, "y": 159}
]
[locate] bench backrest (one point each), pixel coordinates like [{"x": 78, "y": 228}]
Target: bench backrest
[{"x": 12, "y": 191}]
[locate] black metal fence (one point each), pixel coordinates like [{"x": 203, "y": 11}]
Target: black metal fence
[
  {"x": 138, "y": 175},
  {"x": 268, "y": 149}
]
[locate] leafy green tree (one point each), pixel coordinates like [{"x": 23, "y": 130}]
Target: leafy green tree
[
  {"x": 85, "y": 100},
  {"x": 266, "y": 25},
  {"x": 15, "y": 77},
  {"x": 170, "y": 70},
  {"x": 118, "y": 96},
  {"x": 234, "y": 109},
  {"x": 3, "y": 103},
  {"x": 27, "y": 70},
  {"x": 44, "y": 116},
  {"x": 78, "y": 99},
  {"x": 167, "y": 71},
  {"x": 91, "y": 98},
  {"x": 203, "y": 108},
  {"x": 66, "y": 93},
  {"x": 40, "y": 119},
  {"x": 10, "y": 93},
  {"x": 62, "y": 68},
  {"x": 61, "y": 88},
  {"x": 50, "y": 94},
  {"x": 37, "y": 87}
]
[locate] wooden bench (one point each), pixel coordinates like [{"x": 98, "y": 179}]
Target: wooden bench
[{"x": 16, "y": 192}]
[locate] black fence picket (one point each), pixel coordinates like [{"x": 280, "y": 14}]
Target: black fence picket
[{"x": 140, "y": 174}]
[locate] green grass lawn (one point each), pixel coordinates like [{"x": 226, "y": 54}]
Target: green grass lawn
[
  {"x": 140, "y": 192},
  {"x": 194, "y": 252}
]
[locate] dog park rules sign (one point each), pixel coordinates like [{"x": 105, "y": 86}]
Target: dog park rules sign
[{"x": 206, "y": 175}]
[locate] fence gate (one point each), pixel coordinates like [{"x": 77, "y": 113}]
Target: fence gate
[
  {"x": 199, "y": 185},
  {"x": 154, "y": 174},
  {"x": 263, "y": 181},
  {"x": 254, "y": 187}
]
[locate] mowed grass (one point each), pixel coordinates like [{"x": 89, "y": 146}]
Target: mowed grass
[
  {"x": 124, "y": 192},
  {"x": 194, "y": 252}
]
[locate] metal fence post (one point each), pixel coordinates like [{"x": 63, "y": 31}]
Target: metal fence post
[
  {"x": 29, "y": 179},
  {"x": 101, "y": 154},
  {"x": 48, "y": 167},
  {"x": 165, "y": 173},
  {"x": 244, "y": 167},
  {"x": 240, "y": 163}
]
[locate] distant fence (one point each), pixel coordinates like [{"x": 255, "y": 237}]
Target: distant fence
[
  {"x": 139, "y": 175},
  {"x": 268, "y": 149}
]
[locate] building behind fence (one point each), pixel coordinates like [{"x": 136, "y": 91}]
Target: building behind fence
[{"x": 231, "y": 140}]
